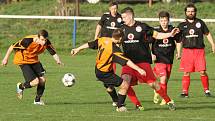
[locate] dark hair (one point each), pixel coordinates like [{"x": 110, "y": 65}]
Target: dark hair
[
  {"x": 117, "y": 33},
  {"x": 127, "y": 10},
  {"x": 113, "y": 3},
  {"x": 43, "y": 33},
  {"x": 163, "y": 14},
  {"x": 190, "y": 5}
]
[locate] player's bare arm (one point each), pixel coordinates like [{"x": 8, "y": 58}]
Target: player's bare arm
[
  {"x": 57, "y": 59},
  {"x": 5, "y": 59},
  {"x": 135, "y": 67},
  {"x": 98, "y": 29},
  {"x": 210, "y": 39},
  {"x": 76, "y": 50},
  {"x": 158, "y": 35}
]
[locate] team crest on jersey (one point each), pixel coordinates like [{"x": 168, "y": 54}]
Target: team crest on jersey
[
  {"x": 112, "y": 24},
  {"x": 130, "y": 36},
  {"x": 119, "y": 20},
  {"x": 165, "y": 41},
  {"x": 198, "y": 25},
  {"x": 191, "y": 31},
  {"x": 138, "y": 29}
]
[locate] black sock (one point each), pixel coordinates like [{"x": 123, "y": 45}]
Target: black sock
[
  {"x": 26, "y": 85},
  {"x": 40, "y": 90},
  {"x": 121, "y": 100},
  {"x": 113, "y": 95}
]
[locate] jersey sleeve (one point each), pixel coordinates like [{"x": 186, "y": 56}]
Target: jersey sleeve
[
  {"x": 149, "y": 30},
  {"x": 22, "y": 44},
  {"x": 93, "y": 44},
  {"x": 205, "y": 29},
  {"x": 50, "y": 48},
  {"x": 118, "y": 56},
  {"x": 101, "y": 21}
]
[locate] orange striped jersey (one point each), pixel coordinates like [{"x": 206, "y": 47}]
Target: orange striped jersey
[
  {"x": 27, "y": 51},
  {"x": 108, "y": 52}
]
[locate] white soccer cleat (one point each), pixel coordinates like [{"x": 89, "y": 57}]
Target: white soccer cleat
[
  {"x": 114, "y": 104},
  {"x": 39, "y": 103},
  {"x": 163, "y": 102},
  {"x": 121, "y": 109},
  {"x": 19, "y": 91}
]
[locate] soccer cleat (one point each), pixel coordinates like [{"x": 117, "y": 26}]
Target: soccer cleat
[
  {"x": 184, "y": 95},
  {"x": 39, "y": 103},
  {"x": 114, "y": 104},
  {"x": 156, "y": 97},
  {"x": 207, "y": 93},
  {"x": 163, "y": 102},
  {"x": 19, "y": 91},
  {"x": 121, "y": 109},
  {"x": 171, "y": 105},
  {"x": 139, "y": 108}
]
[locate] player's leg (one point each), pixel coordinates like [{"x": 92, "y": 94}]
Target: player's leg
[
  {"x": 40, "y": 71},
  {"x": 132, "y": 96},
  {"x": 185, "y": 84},
  {"x": 205, "y": 83},
  {"x": 113, "y": 94},
  {"x": 30, "y": 77},
  {"x": 161, "y": 92}
]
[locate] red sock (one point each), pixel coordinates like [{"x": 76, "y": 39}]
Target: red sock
[
  {"x": 185, "y": 84},
  {"x": 132, "y": 96},
  {"x": 163, "y": 95},
  {"x": 164, "y": 87},
  {"x": 205, "y": 82},
  {"x": 114, "y": 67}
]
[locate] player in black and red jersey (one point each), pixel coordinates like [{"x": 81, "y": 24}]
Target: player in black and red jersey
[
  {"x": 163, "y": 53},
  {"x": 109, "y": 22},
  {"x": 136, "y": 48},
  {"x": 109, "y": 52},
  {"x": 192, "y": 31}
]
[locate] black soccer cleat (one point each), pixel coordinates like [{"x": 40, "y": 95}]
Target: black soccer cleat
[
  {"x": 208, "y": 94},
  {"x": 184, "y": 95}
]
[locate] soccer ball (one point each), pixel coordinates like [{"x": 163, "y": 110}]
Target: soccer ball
[
  {"x": 68, "y": 79},
  {"x": 93, "y": 1}
]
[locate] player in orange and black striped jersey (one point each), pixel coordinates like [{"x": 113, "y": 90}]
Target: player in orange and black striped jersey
[
  {"x": 109, "y": 22},
  {"x": 26, "y": 56},
  {"x": 109, "y": 52}
]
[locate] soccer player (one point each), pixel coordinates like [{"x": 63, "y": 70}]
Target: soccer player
[
  {"x": 192, "y": 31},
  {"x": 109, "y": 22},
  {"x": 163, "y": 53},
  {"x": 136, "y": 48},
  {"x": 109, "y": 52},
  {"x": 26, "y": 56},
  {"x": 105, "y": 27}
]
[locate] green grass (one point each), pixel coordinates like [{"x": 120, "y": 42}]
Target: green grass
[{"x": 88, "y": 101}]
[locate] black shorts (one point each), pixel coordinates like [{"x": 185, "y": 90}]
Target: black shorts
[
  {"x": 110, "y": 79},
  {"x": 32, "y": 71}
]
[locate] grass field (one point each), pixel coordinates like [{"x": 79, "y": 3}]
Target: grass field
[{"x": 87, "y": 100}]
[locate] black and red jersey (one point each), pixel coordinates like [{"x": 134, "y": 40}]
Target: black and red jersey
[
  {"x": 164, "y": 49},
  {"x": 108, "y": 23},
  {"x": 192, "y": 33},
  {"x": 135, "y": 44},
  {"x": 108, "y": 53}
]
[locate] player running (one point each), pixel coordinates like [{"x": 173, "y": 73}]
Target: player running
[
  {"x": 109, "y": 52},
  {"x": 26, "y": 56},
  {"x": 136, "y": 47}
]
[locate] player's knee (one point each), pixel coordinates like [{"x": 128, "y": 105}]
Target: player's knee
[
  {"x": 186, "y": 74},
  {"x": 109, "y": 89},
  {"x": 203, "y": 73},
  {"x": 42, "y": 80},
  {"x": 126, "y": 78},
  {"x": 34, "y": 82}
]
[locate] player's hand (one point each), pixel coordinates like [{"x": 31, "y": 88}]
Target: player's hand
[
  {"x": 74, "y": 51},
  {"x": 178, "y": 56},
  {"x": 154, "y": 57},
  {"x": 4, "y": 62},
  {"x": 142, "y": 72},
  {"x": 213, "y": 49},
  {"x": 175, "y": 31}
]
